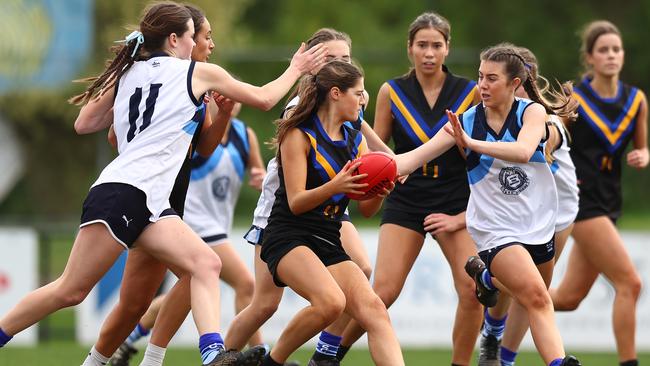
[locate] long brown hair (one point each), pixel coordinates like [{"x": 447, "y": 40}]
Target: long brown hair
[
  {"x": 517, "y": 67},
  {"x": 590, "y": 34},
  {"x": 159, "y": 20},
  {"x": 313, "y": 93},
  {"x": 561, "y": 97}
]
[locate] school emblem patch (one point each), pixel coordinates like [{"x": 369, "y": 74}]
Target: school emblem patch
[{"x": 513, "y": 180}]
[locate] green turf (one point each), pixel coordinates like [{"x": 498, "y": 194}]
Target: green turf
[{"x": 70, "y": 353}]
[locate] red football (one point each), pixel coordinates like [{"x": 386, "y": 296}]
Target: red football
[{"x": 381, "y": 169}]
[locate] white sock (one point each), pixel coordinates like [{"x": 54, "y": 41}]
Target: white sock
[
  {"x": 153, "y": 356},
  {"x": 95, "y": 358}
]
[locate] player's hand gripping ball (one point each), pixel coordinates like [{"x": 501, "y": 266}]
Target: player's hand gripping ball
[{"x": 381, "y": 169}]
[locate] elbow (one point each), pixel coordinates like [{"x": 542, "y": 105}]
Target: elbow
[
  {"x": 267, "y": 104},
  {"x": 80, "y": 127},
  {"x": 295, "y": 208},
  {"x": 524, "y": 156}
]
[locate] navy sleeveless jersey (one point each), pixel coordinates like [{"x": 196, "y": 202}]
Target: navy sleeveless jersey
[{"x": 600, "y": 136}]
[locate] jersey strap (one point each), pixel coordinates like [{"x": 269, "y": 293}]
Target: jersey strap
[
  {"x": 612, "y": 133},
  {"x": 412, "y": 122}
]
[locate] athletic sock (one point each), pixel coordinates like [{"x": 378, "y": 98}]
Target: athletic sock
[
  {"x": 343, "y": 350},
  {"x": 268, "y": 361},
  {"x": 486, "y": 280},
  {"x": 630, "y": 363},
  {"x": 95, "y": 358},
  {"x": 556, "y": 362},
  {"x": 327, "y": 346},
  {"x": 493, "y": 326},
  {"x": 153, "y": 355},
  {"x": 507, "y": 357},
  {"x": 210, "y": 346},
  {"x": 137, "y": 333},
  {"x": 4, "y": 338}
]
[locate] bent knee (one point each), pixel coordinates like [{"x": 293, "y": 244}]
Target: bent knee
[
  {"x": 70, "y": 297},
  {"x": 367, "y": 270},
  {"x": 207, "y": 265},
  {"x": 536, "y": 298},
  {"x": 329, "y": 307},
  {"x": 388, "y": 293},
  {"x": 630, "y": 286}
]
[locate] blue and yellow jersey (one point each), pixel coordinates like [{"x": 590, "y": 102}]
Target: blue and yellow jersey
[
  {"x": 326, "y": 159},
  {"x": 604, "y": 126},
  {"x": 414, "y": 123},
  {"x": 600, "y": 136}
]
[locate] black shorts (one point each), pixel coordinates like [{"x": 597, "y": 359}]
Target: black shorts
[
  {"x": 541, "y": 253},
  {"x": 594, "y": 203},
  {"x": 279, "y": 241},
  {"x": 122, "y": 208},
  {"x": 420, "y": 196}
]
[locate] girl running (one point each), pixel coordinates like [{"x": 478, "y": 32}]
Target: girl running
[
  {"x": 611, "y": 114},
  {"x": 130, "y": 199}
]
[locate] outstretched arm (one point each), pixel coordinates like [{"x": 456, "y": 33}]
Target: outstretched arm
[
  {"x": 212, "y": 77},
  {"x": 411, "y": 160},
  {"x": 520, "y": 151}
]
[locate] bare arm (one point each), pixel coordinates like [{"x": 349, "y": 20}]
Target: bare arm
[
  {"x": 217, "y": 117},
  {"x": 411, "y": 160},
  {"x": 256, "y": 166},
  {"x": 383, "y": 115},
  {"x": 212, "y": 77},
  {"x": 638, "y": 157},
  {"x": 519, "y": 151},
  {"x": 97, "y": 114},
  {"x": 374, "y": 142},
  {"x": 294, "y": 152}
]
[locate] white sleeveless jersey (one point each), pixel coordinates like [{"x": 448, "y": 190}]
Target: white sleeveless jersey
[
  {"x": 270, "y": 184},
  {"x": 153, "y": 112},
  {"x": 564, "y": 173},
  {"x": 215, "y": 183},
  {"x": 509, "y": 202}
]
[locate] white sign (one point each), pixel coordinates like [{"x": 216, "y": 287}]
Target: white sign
[
  {"x": 423, "y": 314},
  {"x": 18, "y": 274}
]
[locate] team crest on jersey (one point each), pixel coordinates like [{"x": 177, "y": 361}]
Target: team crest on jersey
[
  {"x": 513, "y": 180},
  {"x": 220, "y": 188}
]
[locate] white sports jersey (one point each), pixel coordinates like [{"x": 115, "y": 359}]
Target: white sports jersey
[
  {"x": 215, "y": 183},
  {"x": 564, "y": 173},
  {"x": 267, "y": 197},
  {"x": 509, "y": 202},
  {"x": 153, "y": 112}
]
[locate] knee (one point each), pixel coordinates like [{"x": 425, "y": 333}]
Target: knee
[
  {"x": 630, "y": 286},
  {"x": 207, "y": 265},
  {"x": 265, "y": 309},
  {"x": 66, "y": 296},
  {"x": 367, "y": 270},
  {"x": 387, "y": 292},
  {"x": 566, "y": 302},
  {"x": 329, "y": 307},
  {"x": 132, "y": 308},
  {"x": 244, "y": 289},
  {"x": 536, "y": 297},
  {"x": 466, "y": 291}
]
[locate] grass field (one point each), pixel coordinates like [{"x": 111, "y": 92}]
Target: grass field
[{"x": 70, "y": 354}]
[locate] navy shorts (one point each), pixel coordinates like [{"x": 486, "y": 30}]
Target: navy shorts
[
  {"x": 122, "y": 208},
  {"x": 541, "y": 253},
  {"x": 277, "y": 244}
]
